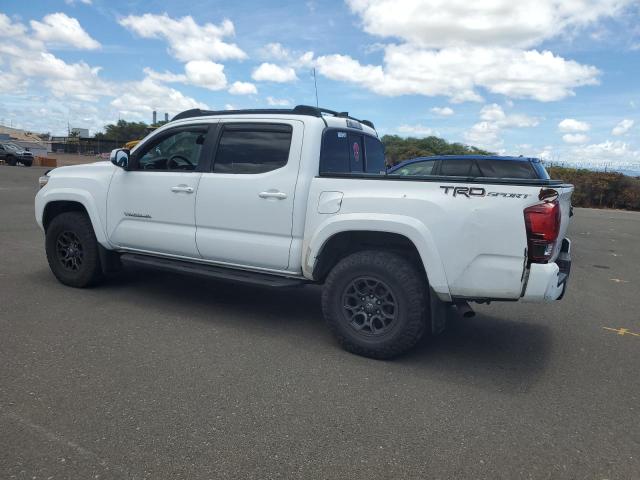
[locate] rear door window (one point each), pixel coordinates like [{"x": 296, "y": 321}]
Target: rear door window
[
  {"x": 252, "y": 149},
  {"x": 334, "y": 157}
]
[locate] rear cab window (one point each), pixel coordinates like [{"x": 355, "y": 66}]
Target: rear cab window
[{"x": 345, "y": 151}]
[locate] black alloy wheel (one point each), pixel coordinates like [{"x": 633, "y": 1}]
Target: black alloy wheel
[
  {"x": 375, "y": 303},
  {"x": 369, "y": 306},
  {"x": 70, "y": 251}
]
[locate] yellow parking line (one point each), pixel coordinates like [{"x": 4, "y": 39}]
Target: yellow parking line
[{"x": 622, "y": 331}]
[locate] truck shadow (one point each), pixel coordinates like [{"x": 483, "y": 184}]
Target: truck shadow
[
  {"x": 491, "y": 351},
  {"x": 494, "y": 351}
]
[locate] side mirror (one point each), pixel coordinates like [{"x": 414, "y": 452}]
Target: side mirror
[{"x": 120, "y": 157}]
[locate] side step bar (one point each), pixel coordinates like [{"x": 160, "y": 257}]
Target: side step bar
[{"x": 221, "y": 273}]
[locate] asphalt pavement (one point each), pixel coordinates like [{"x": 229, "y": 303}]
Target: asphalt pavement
[{"x": 156, "y": 375}]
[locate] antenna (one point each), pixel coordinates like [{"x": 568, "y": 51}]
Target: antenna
[{"x": 315, "y": 84}]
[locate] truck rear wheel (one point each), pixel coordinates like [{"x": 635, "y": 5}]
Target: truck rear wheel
[
  {"x": 11, "y": 161},
  {"x": 72, "y": 250},
  {"x": 375, "y": 303}
]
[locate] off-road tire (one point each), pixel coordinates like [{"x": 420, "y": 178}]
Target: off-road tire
[
  {"x": 73, "y": 225},
  {"x": 11, "y": 161},
  {"x": 27, "y": 163},
  {"x": 407, "y": 287}
]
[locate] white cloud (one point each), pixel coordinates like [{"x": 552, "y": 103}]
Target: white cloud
[
  {"x": 243, "y": 88},
  {"x": 442, "y": 24},
  {"x": 495, "y": 114},
  {"x": 294, "y": 59},
  {"x": 59, "y": 29},
  {"x": 304, "y": 61},
  {"x": 484, "y": 134},
  {"x": 269, "y": 72},
  {"x": 27, "y": 60},
  {"x": 60, "y": 91},
  {"x": 494, "y": 120},
  {"x": 168, "y": 77},
  {"x": 417, "y": 130},
  {"x": 11, "y": 83},
  {"x": 278, "y": 102},
  {"x": 571, "y": 125},
  {"x": 457, "y": 72},
  {"x": 201, "y": 73},
  {"x": 443, "y": 111},
  {"x": 9, "y": 29},
  {"x": 205, "y": 73},
  {"x": 547, "y": 154},
  {"x": 575, "y": 138},
  {"x": 605, "y": 153},
  {"x": 455, "y": 49},
  {"x": 72, "y": 2},
  {"x": 187, "y": 40},
  {"x": 77, "y": 80},
  {"x": 139, "y": 99},
  {"x": 623, "y": 127},
  {"x": 276, "y": 51}
]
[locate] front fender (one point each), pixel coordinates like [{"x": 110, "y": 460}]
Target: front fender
[
  {"x": 48, "y": 195},
  {"x": 408, "y": 227}
]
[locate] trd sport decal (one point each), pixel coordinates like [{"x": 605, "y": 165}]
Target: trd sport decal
[{"x": 479, "y": 192}]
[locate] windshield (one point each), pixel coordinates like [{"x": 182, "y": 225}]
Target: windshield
[{"x": 11, "y": 146}]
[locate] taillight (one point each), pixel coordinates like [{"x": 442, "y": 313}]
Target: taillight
[{"x": 543, "y": 226}]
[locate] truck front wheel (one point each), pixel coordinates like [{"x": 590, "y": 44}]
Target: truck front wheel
[
  {"x": 72, "y": 250},
  {"x": 375, "y": 303}
]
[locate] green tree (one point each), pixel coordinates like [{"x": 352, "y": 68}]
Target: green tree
[
  {"x": 600, "y": 189},
  {"x": 123, "y": 131},
  {"x": 398, "y": 149}
]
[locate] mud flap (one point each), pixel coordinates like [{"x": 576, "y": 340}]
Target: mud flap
[
  {"x": 109, "y": 260},
  {"x": 439, "y": 311}
]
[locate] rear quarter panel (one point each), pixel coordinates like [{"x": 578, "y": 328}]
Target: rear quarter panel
[{"x": 471, "y": 246}]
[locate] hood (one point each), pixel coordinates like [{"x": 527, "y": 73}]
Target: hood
[
  {"x": 95, "y": 168},
  {"x": 20, "y": 151}
]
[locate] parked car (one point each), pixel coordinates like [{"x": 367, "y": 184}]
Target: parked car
[
  {"x": 14, "y": 154},
  {"x": 288, "y": 197},
  {"x": 474, "y": 166}
]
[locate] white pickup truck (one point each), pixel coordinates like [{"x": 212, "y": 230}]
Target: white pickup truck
[{"x": 287, "y": 197}]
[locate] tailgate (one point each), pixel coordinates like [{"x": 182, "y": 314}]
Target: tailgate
[{"x": 564, "y": 198}]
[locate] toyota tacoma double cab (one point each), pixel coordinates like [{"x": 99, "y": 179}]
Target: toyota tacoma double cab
[{"x": 286, "y": 197}]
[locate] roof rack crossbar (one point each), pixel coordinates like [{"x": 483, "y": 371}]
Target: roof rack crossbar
[{"x": 297, "y": 110}]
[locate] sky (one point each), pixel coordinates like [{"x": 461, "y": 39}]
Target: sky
[{"x": 556, "y": 79}]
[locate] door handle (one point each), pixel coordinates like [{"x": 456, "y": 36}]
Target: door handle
[
  {"x": 273, "y": 194},
  {"x": 182, "y": 189}
]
